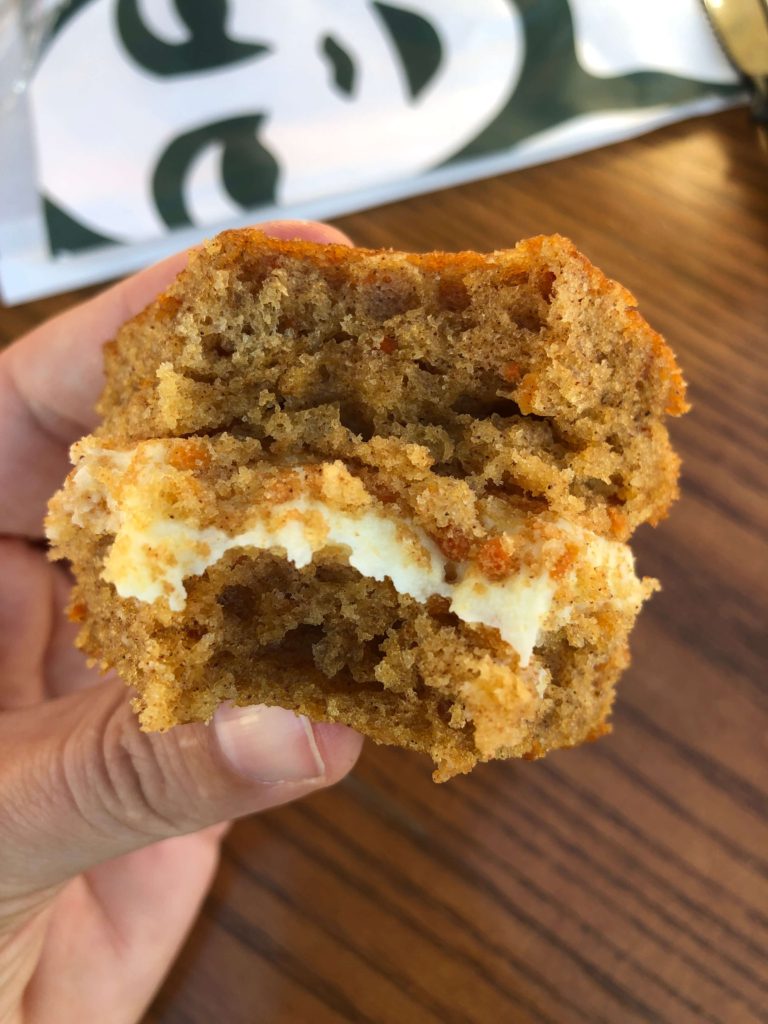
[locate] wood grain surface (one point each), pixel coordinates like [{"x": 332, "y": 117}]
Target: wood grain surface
[{"x": 623, "y": 882}]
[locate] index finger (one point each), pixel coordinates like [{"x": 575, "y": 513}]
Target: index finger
[{"x": 51, "y": 378}]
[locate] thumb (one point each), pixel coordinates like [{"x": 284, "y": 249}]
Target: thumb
[{"x": 80, "y": 783}]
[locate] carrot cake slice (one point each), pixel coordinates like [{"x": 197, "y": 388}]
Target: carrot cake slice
[{"x": 383, "y": 489}]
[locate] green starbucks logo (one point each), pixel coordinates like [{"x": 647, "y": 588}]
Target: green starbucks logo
[{"x": 191, "y": 112}]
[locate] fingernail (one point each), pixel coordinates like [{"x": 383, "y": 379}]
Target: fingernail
[
  {"x": 268, "y": 745},
  {"x": 304, "y": 231}
]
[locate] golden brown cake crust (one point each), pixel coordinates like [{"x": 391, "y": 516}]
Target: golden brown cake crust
[
  {"x": 525, "y": 368},
  {"x": 458, "y": 390}
]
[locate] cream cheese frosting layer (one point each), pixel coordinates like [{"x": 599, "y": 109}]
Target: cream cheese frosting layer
[{"x": 154, "y": 550}]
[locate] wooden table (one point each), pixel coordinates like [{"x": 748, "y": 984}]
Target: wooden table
[{"x": 622, "y": 882}]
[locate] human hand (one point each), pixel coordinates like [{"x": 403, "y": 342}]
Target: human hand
[{"x": 108, "y": 836}]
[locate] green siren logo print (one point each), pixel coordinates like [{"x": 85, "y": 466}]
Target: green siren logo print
[
  {"x": 178, "y": 116},
  {"x": 157, "y": 114}
]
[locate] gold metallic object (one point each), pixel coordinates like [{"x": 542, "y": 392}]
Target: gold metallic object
[{"x": 741, "y": 27}]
